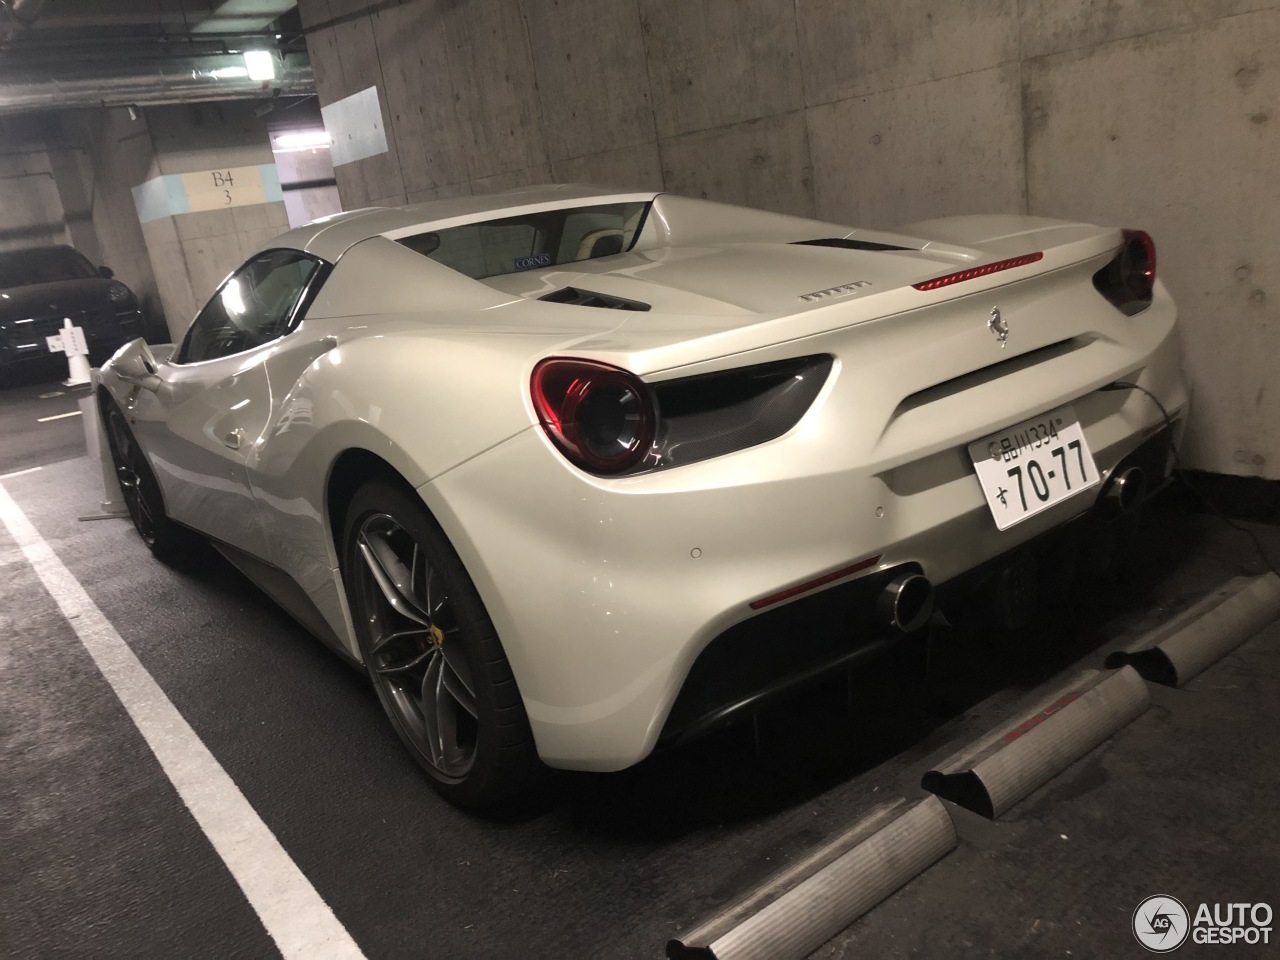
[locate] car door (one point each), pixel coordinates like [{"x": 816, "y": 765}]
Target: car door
[{"x": 203, "y": 421}]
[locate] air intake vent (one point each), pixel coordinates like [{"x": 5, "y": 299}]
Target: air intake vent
[
  {"x": 589, "y": 298},
  {"x": 712, "y": 414},
  {"x": 991, "y": 372},
  {"x": 846, "y": 243}
]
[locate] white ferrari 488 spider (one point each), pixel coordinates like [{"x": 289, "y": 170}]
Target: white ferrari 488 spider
[{"x": 573, "y": 472}]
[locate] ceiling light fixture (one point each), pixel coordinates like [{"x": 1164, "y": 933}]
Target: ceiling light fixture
[
  {"x": 302, "y": 140},
  {"x": 261, "y": 64}
]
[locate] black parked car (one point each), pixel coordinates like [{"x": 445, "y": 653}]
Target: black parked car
[{"x": 42, "y": 286}]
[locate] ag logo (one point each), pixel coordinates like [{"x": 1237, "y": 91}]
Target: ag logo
[{"x": 1161, "y": 923}]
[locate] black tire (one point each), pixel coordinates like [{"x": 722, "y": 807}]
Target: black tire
[
  {"x": 166, "y": 540},
  {"x": 433, "y": 654}
]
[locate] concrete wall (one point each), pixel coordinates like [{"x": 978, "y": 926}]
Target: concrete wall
[
  {"x": 297, "y": 168},
  {"x": 69, "y": 177},
  {"x": 66, "y": 178},
  {"x": 1162, "y": 114},
  {"x": 191, "y": 253},
  {"x": 112, "y": 153},
  {"x": 1175, "y": 126},
  {"x": 31, "y": 211}
]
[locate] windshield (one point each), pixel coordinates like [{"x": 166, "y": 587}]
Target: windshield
[
  {"x": 531, "y": 241},
  {"x": 19, "y": 268}
]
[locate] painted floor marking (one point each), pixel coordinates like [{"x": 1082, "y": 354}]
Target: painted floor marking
[
  {"x": 59, "y": 416},
  {"x": 298, "y": 920},
  {"x": 20, "y": 473}
]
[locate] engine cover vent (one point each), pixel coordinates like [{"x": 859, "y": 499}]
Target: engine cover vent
[
  {"x": 846, "y": 243},
  {"x": 589, "y": 298}
]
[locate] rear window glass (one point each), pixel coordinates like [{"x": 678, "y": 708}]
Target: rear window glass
[{"x": 532, "y": 241}]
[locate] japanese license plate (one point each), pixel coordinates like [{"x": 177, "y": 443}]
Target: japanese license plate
[{"x": 1030, "y": 466}]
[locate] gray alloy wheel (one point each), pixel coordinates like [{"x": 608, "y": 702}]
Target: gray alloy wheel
[
  {"x": 414, "y": 650},
  {"x": 432, "y": 652}
]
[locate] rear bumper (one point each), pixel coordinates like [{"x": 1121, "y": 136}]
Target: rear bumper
[
  {"x": 606, "y": 593},
  {"x": 786, "y": 649}
]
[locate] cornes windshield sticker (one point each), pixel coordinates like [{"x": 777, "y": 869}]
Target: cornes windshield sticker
[
  {"x": 841, "y": 291},
  {"x": 533, "y": 262}
]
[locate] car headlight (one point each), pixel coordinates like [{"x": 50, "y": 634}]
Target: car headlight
[{"x": 119, "y": 293}]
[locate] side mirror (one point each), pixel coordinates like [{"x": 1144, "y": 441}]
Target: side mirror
[
  {"x": 135, "y": 364},
  {"x": 106, "y": 273}
]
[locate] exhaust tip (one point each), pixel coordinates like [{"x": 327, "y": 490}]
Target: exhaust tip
[
  {"x": 1126, "y": 490},
  {"x": 906, "y": 602}
]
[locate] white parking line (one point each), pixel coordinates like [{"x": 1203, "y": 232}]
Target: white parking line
[
  {"x": 20, "y": 473},
  {"x": 295, "y": 916},
  {"x": 58, "y": 416}
]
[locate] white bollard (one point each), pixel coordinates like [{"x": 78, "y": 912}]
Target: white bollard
[
  {"x": 71, "y": 341},
  {"x": 78, "y": 365}
]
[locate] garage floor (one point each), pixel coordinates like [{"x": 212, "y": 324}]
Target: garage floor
[{"x": 102, "y": 859}]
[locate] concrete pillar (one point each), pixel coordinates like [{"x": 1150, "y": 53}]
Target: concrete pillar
[{"x": 210, "y": 199}]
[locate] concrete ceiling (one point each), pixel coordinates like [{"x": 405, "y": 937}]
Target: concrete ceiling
[
  {"x": 45, "y": 19},
  {"x": 74, "y": 53}
]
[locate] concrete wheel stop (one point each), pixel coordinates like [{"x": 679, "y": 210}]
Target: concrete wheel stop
[
  {"x": 1205, "y": 633},
  {"x": 807, "y": 904},
  {"x": 810, "y": 902},
  {"x": 996, "y": 771}
]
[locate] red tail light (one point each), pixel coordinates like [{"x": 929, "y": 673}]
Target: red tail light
[
  {"x": 600, "y": 417},
  {"x": 1129, "y": 280}
]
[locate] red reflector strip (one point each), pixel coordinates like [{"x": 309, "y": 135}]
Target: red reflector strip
[
  {"x": 1028, "y": 725},
  {"x": 813, "y": 584},
  {"x": 974, "y": 272}
]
